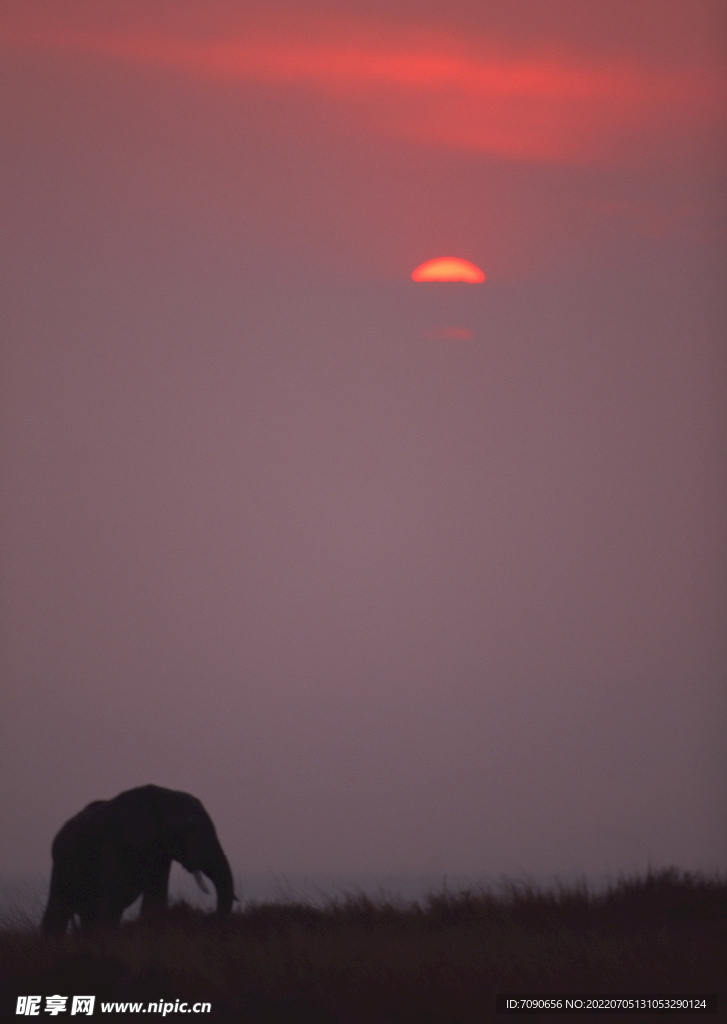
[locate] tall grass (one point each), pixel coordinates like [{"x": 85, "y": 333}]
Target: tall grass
[{"x": 363, "y": 961}]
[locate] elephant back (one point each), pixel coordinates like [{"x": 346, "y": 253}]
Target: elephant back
[{"x": 76, "y": 829}]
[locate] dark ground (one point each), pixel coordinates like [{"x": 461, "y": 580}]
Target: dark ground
[{"x": 358, "y": 961}]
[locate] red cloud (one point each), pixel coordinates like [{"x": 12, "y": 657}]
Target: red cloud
[
  {"x": 542, "y": 107},
  {"x": 449, "y": 334}
]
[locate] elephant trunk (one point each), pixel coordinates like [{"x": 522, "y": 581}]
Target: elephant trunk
[{"x": 217, "y": 869}]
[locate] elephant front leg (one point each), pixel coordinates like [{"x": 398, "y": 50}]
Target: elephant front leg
[{"x": 154, "y": 901}]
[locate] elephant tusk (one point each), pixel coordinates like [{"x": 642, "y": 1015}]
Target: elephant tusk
[{"x": 199, "y": 879}]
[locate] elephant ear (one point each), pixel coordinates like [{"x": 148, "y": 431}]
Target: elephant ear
[{"x": 185, "y": 822}]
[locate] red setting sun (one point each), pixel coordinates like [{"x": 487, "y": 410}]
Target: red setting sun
[{"x": 448, "y": 268}]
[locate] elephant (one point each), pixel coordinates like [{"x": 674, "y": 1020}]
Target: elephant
[{"x": 114, "y": 851}]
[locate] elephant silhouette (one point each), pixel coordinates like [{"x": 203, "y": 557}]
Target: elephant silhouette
[{"x": 114, "y": 851}]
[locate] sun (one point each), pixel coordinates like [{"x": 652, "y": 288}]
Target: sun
[{"x": 448, "y": 268}]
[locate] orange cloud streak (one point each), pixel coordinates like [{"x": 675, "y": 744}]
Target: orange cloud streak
[{"x": 536, "y": 107}]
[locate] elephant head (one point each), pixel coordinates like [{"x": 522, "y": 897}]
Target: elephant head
[
  {"x": 162, "y": 821},
  {"x": 116, "y": 850}
]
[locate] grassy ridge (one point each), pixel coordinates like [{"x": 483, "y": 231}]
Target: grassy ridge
[{"x": 361, "y": 961}]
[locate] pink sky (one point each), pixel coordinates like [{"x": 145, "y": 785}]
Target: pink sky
[{"x": 394, "y": 576}]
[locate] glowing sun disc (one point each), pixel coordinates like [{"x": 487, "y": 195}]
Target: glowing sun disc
[{"x": 448, "y": 268}]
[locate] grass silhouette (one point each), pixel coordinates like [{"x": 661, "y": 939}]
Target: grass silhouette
[{"x": 359, "y": 960}]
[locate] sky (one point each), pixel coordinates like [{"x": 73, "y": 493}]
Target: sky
[{"x": 393, "y": 576}]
